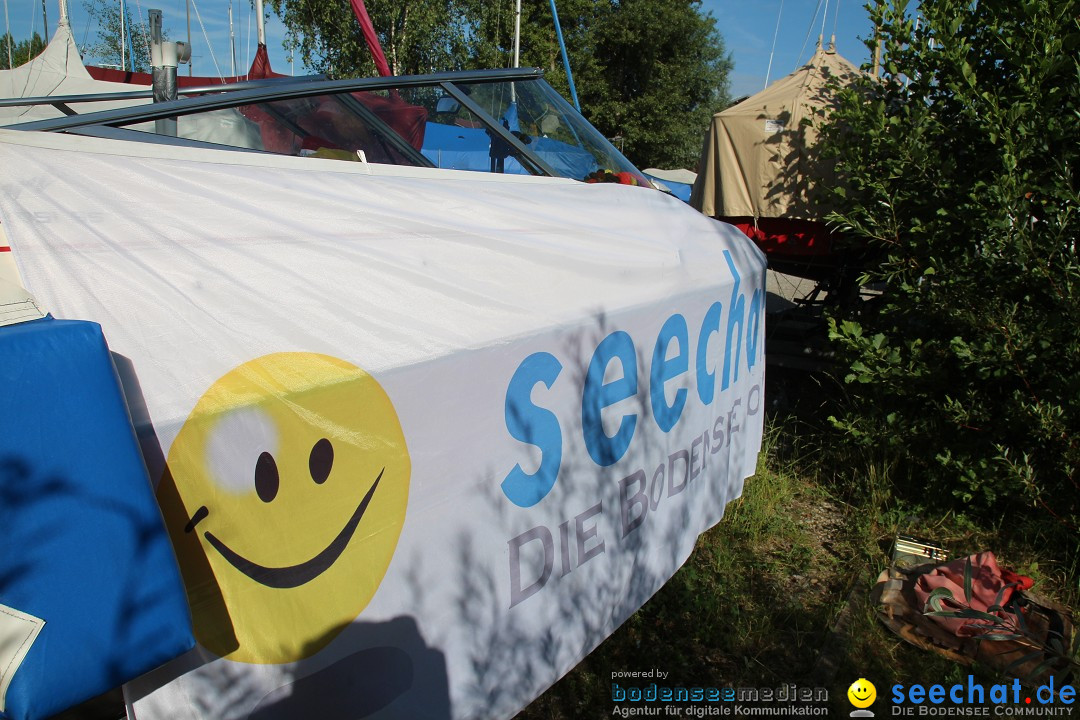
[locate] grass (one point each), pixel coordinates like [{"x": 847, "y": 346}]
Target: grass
[{"x": 779, "y": 591}]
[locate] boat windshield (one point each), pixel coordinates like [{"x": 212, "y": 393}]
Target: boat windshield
[{"x": 520, "y": 126}]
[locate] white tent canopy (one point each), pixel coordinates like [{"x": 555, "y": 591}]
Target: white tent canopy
[{"x": 58, "y": 70}]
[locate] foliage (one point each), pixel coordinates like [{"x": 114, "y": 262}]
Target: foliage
[
  {"x": 662, "y": 73},
  {"x": 959, "y": 168},
  {"x": 649, "y": 71},
  {"x": 112, "y": 35},
  {"x": 22, "y": 51},
  {"x": 417, "y": 36}
]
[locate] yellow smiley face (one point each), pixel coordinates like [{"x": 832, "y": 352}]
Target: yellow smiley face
[
  {"x": 862, "y": 693},
  {"x": 284, "y": 496}
]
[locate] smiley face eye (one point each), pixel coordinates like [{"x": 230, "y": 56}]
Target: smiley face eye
[
  {"x": 266, "y": 477},
  {"x": 321, "y": 461}
]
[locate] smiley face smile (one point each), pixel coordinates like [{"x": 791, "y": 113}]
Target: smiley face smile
[
  {"x": 296, "y": 575},
  {"x": 285, "y": 494},
  {"x": 862, "y": 693}
]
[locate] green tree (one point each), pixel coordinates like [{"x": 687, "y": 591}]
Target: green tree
[
  {"x": 491, "y": 35},
  {"x": 960, "y": 167},
  {"x": 22, "y": 51},
  {"x": 417, "y": 36},
  {"x": 653, "y": 72},
  {"x": 112, "y": 35}
]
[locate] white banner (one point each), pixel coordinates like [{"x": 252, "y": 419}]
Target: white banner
[{"x": 425, "y": 438}]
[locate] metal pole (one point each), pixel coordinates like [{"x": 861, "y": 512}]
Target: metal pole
[
  {"x": 163, "y": 61},
  {"x": 232, "y": 41},
  {"x": 7, "y": 29},
  {"x": 261, "y": 22},
  {"x": 127, "y": 50},
  {"x": 517, "y": 34},
  {"x": 187, "y": 10},
  {"x": 123, "y": 34},
  {"x": 517, "y": 46},
  {"x": 45, "y": 21}
]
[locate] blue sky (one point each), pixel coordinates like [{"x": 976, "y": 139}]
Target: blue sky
[
  {"x": 207, "y": 58},
  {"x": 747, "y": 26}
]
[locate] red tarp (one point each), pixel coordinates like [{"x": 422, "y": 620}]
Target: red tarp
[{"x": 260, "y": 69}]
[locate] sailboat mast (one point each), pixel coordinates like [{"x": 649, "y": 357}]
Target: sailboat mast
[
  {"x": 123, "y": 34},
  {"x": 7, "y": 33},
  {"x": 232, "y": 41},
  {"x": 517, "y": 34},
  {"x": 45, "y": 21},
  {"x": 187, "y": 11},
  {"x": 517, "y": 47},
  {"x": 260, "y": 22}
]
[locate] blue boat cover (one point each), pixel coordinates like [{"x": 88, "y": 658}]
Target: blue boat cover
[{"x": 84, "y": 547}]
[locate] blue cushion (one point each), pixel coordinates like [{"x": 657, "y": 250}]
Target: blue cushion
[{"x": 84, "y": 547}]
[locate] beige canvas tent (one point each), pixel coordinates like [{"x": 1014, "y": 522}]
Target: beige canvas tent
[{"x": 758, "y": 160}]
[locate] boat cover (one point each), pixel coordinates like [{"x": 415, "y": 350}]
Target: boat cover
[
  {"x": 90, "y": 594},
  {"x": 759, "y": 158},
  {"x": 422, "y": 438}
]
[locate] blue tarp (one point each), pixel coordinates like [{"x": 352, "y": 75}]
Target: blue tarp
[
  {"x": 678, "y": 189},
  {"x": 461, "y": 148}
]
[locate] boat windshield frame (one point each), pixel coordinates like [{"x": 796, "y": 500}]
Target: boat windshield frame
[{"x": 258, "y": 93}]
